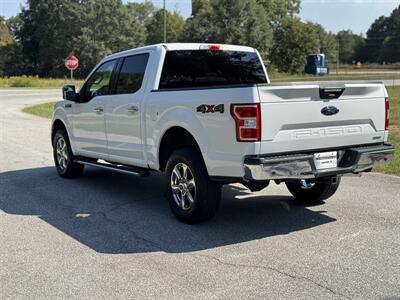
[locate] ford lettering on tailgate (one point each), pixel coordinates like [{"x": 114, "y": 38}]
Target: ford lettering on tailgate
[{"x": 322, "y": 132}]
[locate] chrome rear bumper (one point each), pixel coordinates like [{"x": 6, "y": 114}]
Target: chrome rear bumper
[{"x": 302, "y": 166}]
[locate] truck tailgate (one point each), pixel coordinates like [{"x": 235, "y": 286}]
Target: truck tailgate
[{"x": 301, "y": 117}]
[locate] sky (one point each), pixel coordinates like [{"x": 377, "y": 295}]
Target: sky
[{"x": 334, "y": 15}]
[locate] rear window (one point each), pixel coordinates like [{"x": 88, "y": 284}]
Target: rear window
[{"x": 206, "y": 68}]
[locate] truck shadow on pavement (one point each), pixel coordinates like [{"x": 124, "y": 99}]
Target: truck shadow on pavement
[{"x": 115, "y": 213}]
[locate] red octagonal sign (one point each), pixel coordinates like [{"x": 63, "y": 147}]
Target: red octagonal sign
[{"x": 71, "y": 62}]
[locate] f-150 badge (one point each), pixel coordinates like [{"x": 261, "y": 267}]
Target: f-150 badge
[{"x": 205, "y": 108}]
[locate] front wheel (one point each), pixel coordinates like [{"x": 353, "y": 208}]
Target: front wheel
[
  {"x": 63, "y": 156},
  {"x": 309, "y": 192},
  {"x": 192, "y": 196}
]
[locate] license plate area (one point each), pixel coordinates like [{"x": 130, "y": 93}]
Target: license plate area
[{"x": 325, "y": 160}]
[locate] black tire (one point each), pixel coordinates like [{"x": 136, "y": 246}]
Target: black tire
[
  {"x": 70, "y": 169},
  {"x": 256, "y": 186},
  {"x": 317, "y": 193},
  {"x": 206, "y": 194}
]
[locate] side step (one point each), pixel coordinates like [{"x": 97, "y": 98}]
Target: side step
[{"x": 141, "y": 172}]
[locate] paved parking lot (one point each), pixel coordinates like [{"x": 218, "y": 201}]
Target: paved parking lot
[{"x": 109, "y": 235}]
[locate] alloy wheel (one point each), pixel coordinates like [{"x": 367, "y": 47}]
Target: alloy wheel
[
  {"x": 183, "y": 186},
  {"x": 62, "y": 156},
  {"x": 305, "y": 184}
]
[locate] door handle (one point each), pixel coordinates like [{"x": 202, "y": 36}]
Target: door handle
[
  {"x": 99, "y": 109},
  {"x": 133, "y": 109}
]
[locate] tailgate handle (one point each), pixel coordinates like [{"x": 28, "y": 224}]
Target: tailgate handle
[{"x": 330, "y": 92}]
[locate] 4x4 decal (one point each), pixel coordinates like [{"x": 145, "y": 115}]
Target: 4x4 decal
[{"x": 205, "y": 108}]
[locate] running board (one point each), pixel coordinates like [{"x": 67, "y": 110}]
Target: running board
[{"x": 116, "y": 167}]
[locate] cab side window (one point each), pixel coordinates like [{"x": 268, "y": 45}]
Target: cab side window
[
  {"x": 131, "y": 75},
  {"x": 99, "y": 83}
]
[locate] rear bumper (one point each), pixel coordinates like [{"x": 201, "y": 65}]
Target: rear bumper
[{"x": 301, "y": 166}]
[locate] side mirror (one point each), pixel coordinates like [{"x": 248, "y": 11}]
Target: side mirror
[{"x": 69, "y": 93}]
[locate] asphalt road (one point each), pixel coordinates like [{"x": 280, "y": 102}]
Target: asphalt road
[{"x": 109, "y": 235}]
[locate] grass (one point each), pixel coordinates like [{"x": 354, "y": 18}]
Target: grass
[
  {"x": 45, "y": 110},
  {"x": 34, "y": 82},
  {"x": 394, "y": 132},
  {"x": 275, "y": 76}
]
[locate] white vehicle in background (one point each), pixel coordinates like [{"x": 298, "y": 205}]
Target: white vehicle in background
[{"x": 207, "y": 115}]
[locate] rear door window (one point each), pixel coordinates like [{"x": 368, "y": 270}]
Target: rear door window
[
  {"x": 206, "y": 68},
  {"x": 131, "y": 75}
]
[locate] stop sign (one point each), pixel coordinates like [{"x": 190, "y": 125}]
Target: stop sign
[{"x": 71, "y": 62}]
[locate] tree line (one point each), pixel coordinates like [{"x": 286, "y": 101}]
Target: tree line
[
  {"x": 381, "y": 45},
  {"x": 36, "y": 41}
]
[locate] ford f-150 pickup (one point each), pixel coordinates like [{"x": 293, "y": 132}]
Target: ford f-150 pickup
[{"x": 207, "y": 115}]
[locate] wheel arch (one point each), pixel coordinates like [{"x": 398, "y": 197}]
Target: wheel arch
[
  {"x": 175, "y": 138},
  {"x": 57, "y": 125}
]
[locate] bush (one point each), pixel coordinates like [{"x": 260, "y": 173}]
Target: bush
[{"x": 35, "y": 81}]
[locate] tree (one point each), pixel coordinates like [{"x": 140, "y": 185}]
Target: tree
[
  {"x": 326, "y": 42},
  {"x": 107, "y": 28},
  {"x": 14, "y": 25},
  {"x": 383, "y": 39},
  {"x": 13, "y": 61},
  {"x": 155, "y": 27},
  {"x": 198, "y": 5},
  {"x": 46, "y": 33},
  {"x": 5, "y": 36},
  {"x": 142, "y": 12},
  {"x": 390, "y": 51},
  {"x": 294, "y": 40},
  {"x": 346, "y": 42},
  {"x": 50, "y": 30},
  {"x": 376, "y": 35},
  {"x": 232, "y": 22},
  {"x": 279, "y": 10}
]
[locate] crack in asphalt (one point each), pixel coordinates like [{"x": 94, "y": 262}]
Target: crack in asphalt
[
  {"x": 127, "y": 225},
  {"x": 268, "y": 268},
  {"x": 292, "y": 276},
  {"x": 134, "y": 233}
]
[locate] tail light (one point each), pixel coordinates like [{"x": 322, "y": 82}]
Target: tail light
[
  {"x": 248, "y": 122},
  {"x": 386, "y": 113}
]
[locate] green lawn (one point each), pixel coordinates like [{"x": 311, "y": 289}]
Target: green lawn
[
  {"x": 46, "y": 110},
  {"x": 41, "y": 110},
  {"x": 394, "y": 131}
]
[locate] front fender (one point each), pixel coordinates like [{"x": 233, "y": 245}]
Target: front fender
[{"x": 59, "y": 114}]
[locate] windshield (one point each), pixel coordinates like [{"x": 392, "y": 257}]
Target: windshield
[{"x": 207, "y": 68}]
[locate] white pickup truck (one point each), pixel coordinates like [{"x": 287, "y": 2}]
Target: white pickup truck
[{"x": 207, "y": 115}]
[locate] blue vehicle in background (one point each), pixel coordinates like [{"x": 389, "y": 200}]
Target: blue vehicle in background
[{"x": 316, "y": 65}]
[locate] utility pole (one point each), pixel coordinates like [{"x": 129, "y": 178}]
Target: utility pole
[
  {"x": 337, "y": 58},
  {"x": 165, "y": 22}
]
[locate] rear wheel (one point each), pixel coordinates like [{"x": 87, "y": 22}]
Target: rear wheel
[
  {"x": 256, "y": 186},
  {"x": 192, "y": 196},
  {"x": 63, "y": 156},
  {"x": 313, "y": 192}
]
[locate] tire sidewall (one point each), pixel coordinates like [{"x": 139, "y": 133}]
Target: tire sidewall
[
  {"x": 316, "y": 194},
  {"x": 62, "y": 134},
  {"x": 207, "y": 193}
]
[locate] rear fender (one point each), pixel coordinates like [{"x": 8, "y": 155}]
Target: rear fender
[{"x": 177, "y": 117}]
